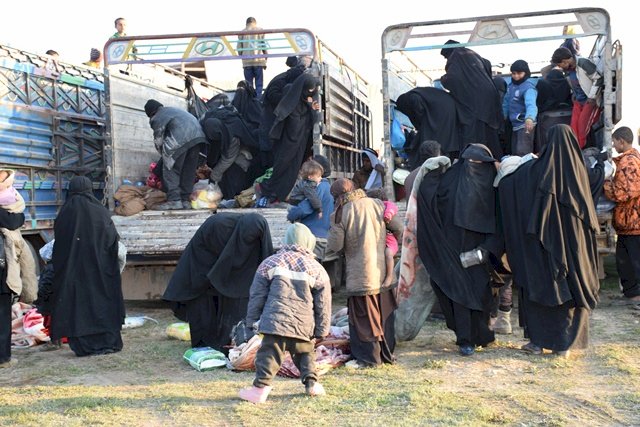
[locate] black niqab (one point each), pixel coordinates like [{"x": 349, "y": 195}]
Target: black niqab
[{"x": 442, "y": 237}]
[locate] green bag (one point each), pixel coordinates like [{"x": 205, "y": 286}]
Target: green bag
[{"x": 205, "y": 358}]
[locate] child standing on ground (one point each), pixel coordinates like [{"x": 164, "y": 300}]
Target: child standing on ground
[
  {"x": 391, "y": 243},
  {"x": 291, "y": 296},
  {"x": 307, "y": 186},
  {"x": 21, "y": 267}
]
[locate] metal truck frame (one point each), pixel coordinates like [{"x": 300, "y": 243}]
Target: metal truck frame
[{"x": 410, "y": 58}]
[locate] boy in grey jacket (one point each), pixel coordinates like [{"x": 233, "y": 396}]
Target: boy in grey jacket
[{"x": 291, "y": 296}]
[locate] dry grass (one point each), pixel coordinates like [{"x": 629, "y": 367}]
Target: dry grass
[{"x": 148, "y": 384}]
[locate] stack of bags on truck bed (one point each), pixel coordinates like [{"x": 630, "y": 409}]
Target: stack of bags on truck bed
[{"x": 133, "y": 199}]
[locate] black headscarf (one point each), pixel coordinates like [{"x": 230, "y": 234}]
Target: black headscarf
[
  {"x": 447, "y": 227},
  {"x": 224, "y": 253},
  {"x": 550, "y": 223},
  {"x": 471, "y": 86},
  {"x": 249, "y": 107},
  {"x": 554, "y": 92},
  {"x": 474, "y": 198},
  {"x": 433, "y": 112},
  {"x": 87, "y": 289}
]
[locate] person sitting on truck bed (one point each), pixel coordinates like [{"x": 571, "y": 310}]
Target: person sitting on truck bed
[
  {"x": 210, "y": 286},
  {"x": 178, "y": 137},
  {"x": 292, "y": 136},
  {"x": 468, "y": 79},
  {"x": 271, "y": 98},
  {"x": 371, "y": 174},
  {"x": 433, "y": 112},
  {"x": 624, "y": 189}
]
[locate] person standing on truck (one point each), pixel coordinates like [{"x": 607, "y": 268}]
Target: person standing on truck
[
  {"x": 433, "y": 112},
  {"x": 249, "y": 45},
  {"x": 178, "y": 137},
  {"x": 272, "y": 96},
  {"x": 520, "y": 108},
  {"x": 624, "y": 189},
  {"x": 586, "y": 85},
  {"x": 88, "y": 305},
  {"x": 121, "y": 28},
  {"x": 292, "y": 136},
  {"x": 95, "y": 59},
  {"x": 468, "y": 79},
  {"x": 371, "y": 174}
]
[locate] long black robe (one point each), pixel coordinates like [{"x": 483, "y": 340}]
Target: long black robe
[
  {"x": 476, "y": 96},
  {"x": 270, "y": 99},
  {"x": 214, "y": 274},
  {"x": 292, "y": 136},
  {"x": 88, "y": 305},
  {"x": 221, "y": 126},
  {"x": 433, "y": 112},
  {"x": 11, "y": 221},
  {"x": 456, "y": 213},
  {"x": 549, "y": 226},
  {"x": 249, "y": 107}
]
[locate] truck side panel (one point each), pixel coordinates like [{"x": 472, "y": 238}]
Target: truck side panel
[{"x": 51, "y": 128}]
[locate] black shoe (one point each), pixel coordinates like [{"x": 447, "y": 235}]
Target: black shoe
[
  {"x": 169, "y": 205},
  {"x": 466, "y": 350}
]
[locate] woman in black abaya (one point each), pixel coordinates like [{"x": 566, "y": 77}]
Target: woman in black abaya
[
  {"x": 468, "y": 80},
  {"x": 292, "y": 136},
  {"x": 211, "y": 283},
  {"x": 549, "y": 226},
  {"x": 456, "y": 215},
  {"x": 88, "y": 305},
  {"x": 433, "y": 112}
]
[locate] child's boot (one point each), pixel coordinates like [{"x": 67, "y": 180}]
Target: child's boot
[
  {"x": 255, "y": 394},
  {"x": 313, "y": 388}
]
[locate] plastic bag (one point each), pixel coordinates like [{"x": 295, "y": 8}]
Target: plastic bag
[
  {"x": 179, "y": 330},
  {"x": 206, "y": 198},
  {"x": 398, "y": 137},
  {"x": 204, "y": 358}
]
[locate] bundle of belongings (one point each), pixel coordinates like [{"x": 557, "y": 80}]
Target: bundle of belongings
[
  {"x": 332, "y": 351},
  {"x": 27, "y": 326},
  {"x": 205, "y": 195},
  {"x": 133, "y": 199}
]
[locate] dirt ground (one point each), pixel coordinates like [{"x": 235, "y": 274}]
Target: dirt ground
[{"x": 148, "y": 383}]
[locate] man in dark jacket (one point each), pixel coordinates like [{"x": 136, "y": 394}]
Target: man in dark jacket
[
  {"x": 291, "y": 296},
  {"x": 178, "y": 137}
]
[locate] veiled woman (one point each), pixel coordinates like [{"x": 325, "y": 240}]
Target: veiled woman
[
  {"x": 549, "y": 226},
  {"x": 88, "y": 305},
  {"x": 211, "y": 283}
]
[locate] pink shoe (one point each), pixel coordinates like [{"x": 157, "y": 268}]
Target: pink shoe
[
  {"x": 255, "y": 394},
  {"x": 315, "y": 390}
]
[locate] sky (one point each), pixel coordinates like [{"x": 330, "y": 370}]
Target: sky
[{"x": 352, "y": 28}]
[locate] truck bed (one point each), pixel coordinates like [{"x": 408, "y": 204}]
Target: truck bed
[{"x": 165, "y": 234}]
